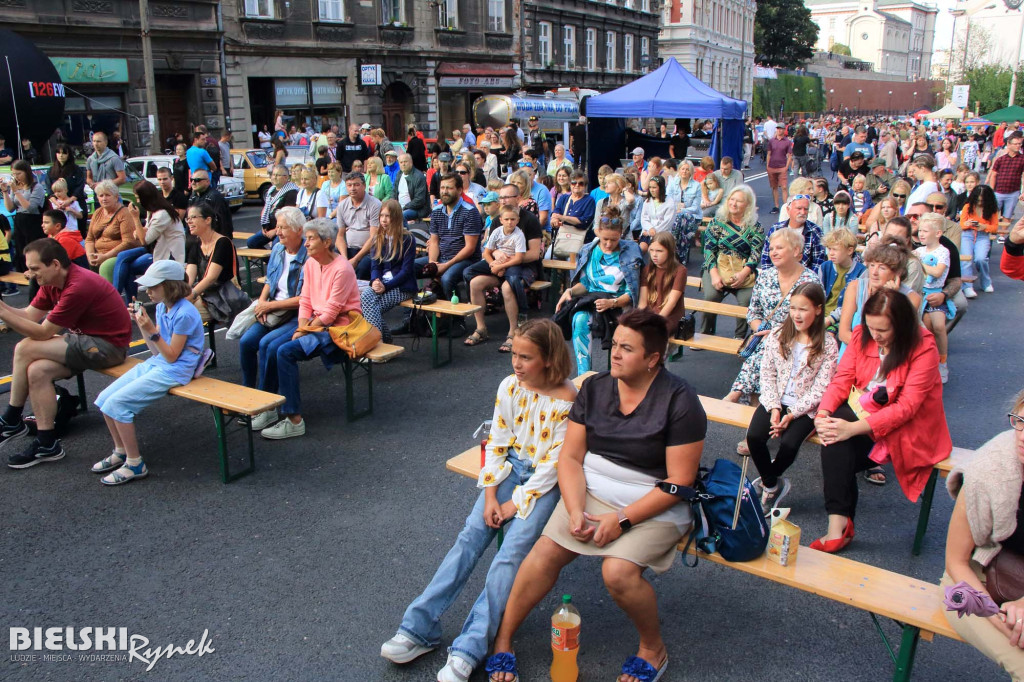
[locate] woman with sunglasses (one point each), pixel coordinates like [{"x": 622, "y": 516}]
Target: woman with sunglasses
[
  {"x": 577, "y": 208},
  {"x": 985, "y": 534}
]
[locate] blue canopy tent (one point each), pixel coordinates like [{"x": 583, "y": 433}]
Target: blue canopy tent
[{"x": 669, "y": 92}]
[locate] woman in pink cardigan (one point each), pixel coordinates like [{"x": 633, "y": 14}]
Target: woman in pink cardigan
[
  {"x": 894, "y": 360},
  {"x": 329, "y": 293}
]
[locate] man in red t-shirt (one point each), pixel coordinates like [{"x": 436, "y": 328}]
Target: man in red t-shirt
[{"x": 77, "y": 321}]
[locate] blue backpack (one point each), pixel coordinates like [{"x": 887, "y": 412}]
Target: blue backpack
[
  {"x": 728, "y": 518},
  {"x": 834, "y": 161}
]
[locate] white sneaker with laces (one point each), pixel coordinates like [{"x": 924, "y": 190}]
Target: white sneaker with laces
[
  {"x": 401, "y": 649},
  {"x": 969, "y": 292},
  {"x": 264, "y": 419},
  {"x": 284, "y": 429},
  {"x": 943, "y": 372},
  {"x": 455, "y": 670}
]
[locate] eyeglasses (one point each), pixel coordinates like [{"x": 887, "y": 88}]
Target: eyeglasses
[
  {"x": 462, "y": 172},
  {"x": 508, "y": 196},
  {"x": 1016, "y": 422},
  {"x": 899, "y": 196}
]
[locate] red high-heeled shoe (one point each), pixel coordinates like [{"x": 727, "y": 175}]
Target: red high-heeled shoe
[{"x": 834, "y": 546}]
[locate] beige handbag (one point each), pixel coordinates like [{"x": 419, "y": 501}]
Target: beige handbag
[{"x": 729, "y": 265}]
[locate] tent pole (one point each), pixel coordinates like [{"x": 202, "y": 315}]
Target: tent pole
[{"x": 14, "y": 104}]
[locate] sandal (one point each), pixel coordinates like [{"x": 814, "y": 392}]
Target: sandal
[
  {"x": 502, "y": 663},
  {"x": 875, "y": 476},
  {"x": 506, "y": 347},
  {"x": 114, "y": 461},
  {"x": 476, "y": 338},
  {"x": 642, "y": 670}
]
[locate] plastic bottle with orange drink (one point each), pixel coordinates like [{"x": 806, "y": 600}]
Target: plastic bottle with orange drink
[{"x": 565, "y": 641}]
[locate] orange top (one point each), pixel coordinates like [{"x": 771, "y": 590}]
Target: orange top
[{"x": 967, "y": 216}]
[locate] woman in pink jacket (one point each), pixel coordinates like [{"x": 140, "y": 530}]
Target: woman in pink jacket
[
  {"x": 329, "y": 293},
  {"x": 894, "y": 360}
]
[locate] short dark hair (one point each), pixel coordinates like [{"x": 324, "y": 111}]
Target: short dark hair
[
  {"x": 58, "y": 217},
  {"x": 651, "y": 326},
  {"x": 531, "y": 153},
  {"x": 49, "y": 250},
  {"x": 454, "y": 177},
  {"x": 197, "y": 136},
  {"x": 164, "y": 169},
  {"x": 355, "y": 175}
]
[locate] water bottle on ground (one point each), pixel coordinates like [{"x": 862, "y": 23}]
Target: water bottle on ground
[{"x": 565, "y": 641}]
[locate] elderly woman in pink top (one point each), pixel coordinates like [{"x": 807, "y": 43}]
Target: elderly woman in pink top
[{"x": 329, "y": 293}]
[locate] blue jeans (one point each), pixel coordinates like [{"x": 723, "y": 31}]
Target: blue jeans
[
  {"x": 421, "y": 621},
  {"x": 259, "y": 241},
  {"x": 1007, "y": 203},
  {"x": 452, "y": 276},
  {"x": 409, "y": 214},
  {"x": 130, "y": 263},
  {"x": 289, "y": 355},
  {"x": 977, "y": 246},
  {"x": 257, "y": 350}
]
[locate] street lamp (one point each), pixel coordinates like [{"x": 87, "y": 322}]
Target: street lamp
[
  {"x": 831, "y": 99},
  {"x": 890, "y": 102},
  {"x": 859, "y": 110}
]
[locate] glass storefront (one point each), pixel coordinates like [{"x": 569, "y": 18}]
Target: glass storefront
[{"x": 317, "y": 102}]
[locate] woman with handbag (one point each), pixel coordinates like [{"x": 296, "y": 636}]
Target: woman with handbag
[
  {"x": 519, "y": 491},
  {"x": 329, "y": 294},
  {"x": 632, "y": 432},
  {"x": 768, "y": 309},
  {"x": 275, "y": 310},
  {"x": 890, "y": 369},
  {"x": 576, "y": 209},
  {"x": 985, "y": 543},
  {"x": 212, "y": 268},
  {"x": 732, "y": 250}
]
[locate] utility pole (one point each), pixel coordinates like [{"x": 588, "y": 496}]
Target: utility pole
[{"x": 147, "y": 63}]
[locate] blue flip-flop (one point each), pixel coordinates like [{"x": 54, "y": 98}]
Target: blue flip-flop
[
  {"x": 502, "y": 663},
  {"x": 642, "y": 670}
]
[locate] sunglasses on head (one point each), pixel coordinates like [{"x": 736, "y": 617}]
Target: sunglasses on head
[
  {"x": 801, "y": 196},
  {"x": 611, "y": 221}
]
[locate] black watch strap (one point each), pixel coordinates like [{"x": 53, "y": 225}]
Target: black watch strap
[{"x": 681, "y": 491}]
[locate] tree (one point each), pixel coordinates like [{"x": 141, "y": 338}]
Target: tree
[
  {"x": 784, "y": 34},
  {"x": 839, "y": 48}
]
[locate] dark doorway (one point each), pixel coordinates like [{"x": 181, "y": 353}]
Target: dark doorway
[
  {"x": 261, "y": 104},
  {"x": 396, "y": 109},
  {"x": 174, "y": 93}
]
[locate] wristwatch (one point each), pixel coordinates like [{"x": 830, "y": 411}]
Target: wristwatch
[
  {"x": 624, "y": 523},
  {"x": 155, "y": 337}
]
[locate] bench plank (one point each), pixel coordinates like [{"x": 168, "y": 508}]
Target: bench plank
[
  {"x": 559, "y": 264},
  {"x": 18, "y": 278},
  {"x": 539, "y": 285},
  {"x": 444, "y": 308},
  {"x": 696, "y": 282},
  {"x": 701, "y": 306},
  {"x": 383, "y": 352},
  {"x": 253, "y": 253},
  {"x": 719, "y": 344}
]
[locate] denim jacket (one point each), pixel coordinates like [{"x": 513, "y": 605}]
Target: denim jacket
[
  {"x": 275, "y": 264},
  {"x": 631, "y": 260},
  {"x": 827, "y": 273}
]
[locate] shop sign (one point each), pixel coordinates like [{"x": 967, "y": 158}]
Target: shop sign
[
  {"x": 91, "y": 70},
  {"x": 474, "y": 82},
  {"x": 291, "y": 92},
  {"x": 544, "y": 106},
  {"x": 370, "y": 74},
  {"x": 327, "y": 91}
]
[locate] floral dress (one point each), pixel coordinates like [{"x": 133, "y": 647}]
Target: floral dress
[
  {"x": 767, "y": 304},
  {"x": 532, "y": 427}
]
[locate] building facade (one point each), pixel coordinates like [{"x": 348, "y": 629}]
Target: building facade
[
  {"x": 713, "y": 40},
  {"x": 97, "y": 49},
  {"x": 896, "y": 36},
  {"x": 594, "y": 44}
]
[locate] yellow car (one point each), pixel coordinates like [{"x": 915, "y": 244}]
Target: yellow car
[{"x": 252, "y": 167}]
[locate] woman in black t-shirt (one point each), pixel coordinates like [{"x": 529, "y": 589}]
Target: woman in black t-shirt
[
  {"x": 629, "y": 430},
  {"x": 209, "y": 265},
  {"x": 800, "y": 157}
]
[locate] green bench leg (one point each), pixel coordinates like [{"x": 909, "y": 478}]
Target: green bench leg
[
  {"x": 435, "y": 322},
  {"x": 222, "y": 447},
  {"x": 926, "y": 508},
  {"x": 351, "y": 368},
  {"x": 248, "y": 278},
  {"x": 904, "y": 659}
]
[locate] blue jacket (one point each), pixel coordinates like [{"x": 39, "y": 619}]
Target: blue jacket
[
  {"x": 631, "y": 260},
  {"x": 401, "y": 269},
  {"x": 275, "y": 264},
  {"x": 827, "y": 274}
]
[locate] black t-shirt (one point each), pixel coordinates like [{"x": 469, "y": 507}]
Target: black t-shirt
[
  {"x": 954, "y": 258},
  {"x": 223, "y": 254},
  {"x": 321, "y": 165},
  {"x": 800, "y": 143},
  {"x": 529, "y": 223},
  {"x": 178, "y": 199},
  {"x": 579, "y": 139},
  {"x": 670, "y": 414},
  {"x": 180, "y": 172},
  {"x": 848, "y": 172},
  {"x": 680, "y": 144}
]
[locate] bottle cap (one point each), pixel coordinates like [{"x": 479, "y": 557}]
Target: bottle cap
[{"x": 566, "y": 598}]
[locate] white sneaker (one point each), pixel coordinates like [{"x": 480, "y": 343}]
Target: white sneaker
[
  {"x": 455, "y": 670},
  {"x": 989, "y": 289},
  {"x": 264, "y": 419},
  {"x": 401, "y": 649},
  {"x": 284, "y": 429},
  {"x": 943, "y": 372},
  {"x": 970, "y": 293}
]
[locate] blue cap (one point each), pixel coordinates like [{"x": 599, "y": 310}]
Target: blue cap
[{"x": 489, "y": 198}]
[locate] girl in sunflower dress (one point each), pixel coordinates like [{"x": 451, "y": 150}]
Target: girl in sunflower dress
[{"x": 520, "y": 490}]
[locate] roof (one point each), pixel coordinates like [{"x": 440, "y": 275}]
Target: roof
[{"x": 893, "y": 17}]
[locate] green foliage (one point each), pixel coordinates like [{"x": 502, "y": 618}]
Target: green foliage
[
  {"x": 839, "y": 48},
  {"x": 784, "y": 34},
  {"x": 802, "y": 93},
  {"x": 990, "y": 86}
]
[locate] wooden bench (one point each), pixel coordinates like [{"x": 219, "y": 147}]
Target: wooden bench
[
  {"x": 438, "y": 309},
  {"x": 226, "y": 400},
  {"x": 719, "y": 344},
  {"x": 699, "y": 305},
  {"x": 694, "y": 282},
  {"x": 18, "y": 278},
  {"x": 915, "y": 605},
  {"x": 242, "y": 235},
  {"x": 249, "y": 255},
  {"x": 539, "y": 285}
]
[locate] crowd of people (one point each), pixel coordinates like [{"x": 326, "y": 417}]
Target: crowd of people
[{"x": 850, "y": 298}]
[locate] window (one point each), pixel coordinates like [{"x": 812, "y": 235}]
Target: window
[
  {"x": 569, "y": 46},
  {"x": 627, "y": 49},
  {"x": 544, "y": 43},
  {"x": 627, "y": 4},
  {"x": 496, "y": 15},
  {"x": 332, "y": 10},
  {"x": 448, "y": 14},
  {"x": 645, "y": 46},
  {"x": 609, "y": 50},
  {"x": 698, "y": 11},
  {"x": 645, "y": 5},
  {"x": 591, "y": 49},
  {"x": 259, "y": 9},
  {"x": 392, "y": 11}
]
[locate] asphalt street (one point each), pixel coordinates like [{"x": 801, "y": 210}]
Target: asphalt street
[{"x": 301, "y": 570}]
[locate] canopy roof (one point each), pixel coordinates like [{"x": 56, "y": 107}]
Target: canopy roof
[
  {"x": 1006, "y": 115},
  {"x": 948, "y": 111},
  {"x": 669, "y": 92},
  {"x": 921, "y": 113}
]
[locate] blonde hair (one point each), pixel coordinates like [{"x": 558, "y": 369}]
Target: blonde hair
[
  {"x": 521, "y": 181},
  {"x": 374, "y": 166},
  {"x": 935, "y": 220},
  {"x": 394, "y": 237},
  {"x": 59, "y": 185},
  {"x": 749, "y": 214},
  {"x": 840, "y": 237},
  {"x": 106, "y": 187},
  {"x": 795, "y": 238},
  {"x": 801, "y": 186}
]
